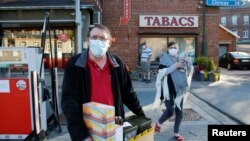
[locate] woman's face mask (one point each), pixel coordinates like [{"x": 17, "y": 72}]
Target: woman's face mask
[
  {"x": 98, "y": 48},
  {"x": 173, "y": 51}
]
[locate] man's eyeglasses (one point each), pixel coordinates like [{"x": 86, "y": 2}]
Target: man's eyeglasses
[
  {"x": 172, "y": 47},
  {"x": 98, "y": 37}
]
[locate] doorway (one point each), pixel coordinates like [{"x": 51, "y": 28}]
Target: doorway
[{"x": 222, "y": 50}]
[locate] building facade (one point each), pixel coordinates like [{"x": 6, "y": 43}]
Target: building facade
[
  {"x": 194, "y": 26},
  {"x": 158, "y": 22},
  {"x": 236, "y": 19}
]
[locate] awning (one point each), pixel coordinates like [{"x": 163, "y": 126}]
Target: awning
[
  {"x": 23, "y": 13},
  {"x": 43, "y": 4}
]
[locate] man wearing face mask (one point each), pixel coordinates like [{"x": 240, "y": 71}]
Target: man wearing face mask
[
  {"x": 99, "y": 76},
  {"x": 146, "y": 54},
  {"x": 172, "y": 82}
]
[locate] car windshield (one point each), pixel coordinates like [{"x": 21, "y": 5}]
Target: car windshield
[{"x": 240, "y": 54}]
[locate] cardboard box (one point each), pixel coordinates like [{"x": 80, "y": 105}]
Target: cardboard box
[
  {"x": 98, "y": 138},
  {"x": 99, "y": 112},
  {"x": 100, "y": 129}
]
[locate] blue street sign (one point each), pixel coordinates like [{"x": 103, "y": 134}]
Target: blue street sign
[{"x": 225, "y": 3}]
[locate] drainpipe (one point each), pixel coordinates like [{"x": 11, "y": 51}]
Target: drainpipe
[
  {"x": 78, "y": 22},
  {"x": 204, "y": 45}
]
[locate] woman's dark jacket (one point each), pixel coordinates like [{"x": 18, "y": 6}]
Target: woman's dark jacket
[{"x": 76, "y": 91}]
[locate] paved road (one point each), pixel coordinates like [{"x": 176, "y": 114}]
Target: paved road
[{"x": 230, "y": 95}]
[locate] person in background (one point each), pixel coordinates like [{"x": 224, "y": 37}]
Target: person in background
[
  {"x": 96, "y": 75},
  {"x": 146, "y": 54},
  {"x": 172, "y": 82}
]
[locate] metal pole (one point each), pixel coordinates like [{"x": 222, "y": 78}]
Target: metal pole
[
  {"x": 1, "y": 35},
  {"x": 78, "y": 22},
  {"x": 204, "y": 47}
]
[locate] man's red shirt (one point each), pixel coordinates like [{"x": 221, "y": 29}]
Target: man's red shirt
[{"x": 100, "y": 83}]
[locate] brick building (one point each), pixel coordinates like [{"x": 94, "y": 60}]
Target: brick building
[
  {"x": 227, "y": 40},
  {"x": 156, "y": 22},
  {"x": 155, "y": 32},
  {"x": 236, "y": 19}
]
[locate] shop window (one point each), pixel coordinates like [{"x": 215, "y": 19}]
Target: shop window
[
  {"x": 186, "y": 45},
  {"x": 159, "y": 46},
  {"x": 32, "y": 37}
]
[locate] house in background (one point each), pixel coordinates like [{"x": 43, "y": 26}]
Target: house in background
[
  {"x": 227, "y": 40},
  {"x": 236, "y": 19}
]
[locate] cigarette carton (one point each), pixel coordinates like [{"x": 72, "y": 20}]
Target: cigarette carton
[
  {"x": 98, "y": 138},
  {"x": 99, "y": 112},
  {"x": 100, "y": 129}
]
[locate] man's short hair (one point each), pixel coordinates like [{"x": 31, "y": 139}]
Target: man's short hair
[{"x": 102, "y": 27}]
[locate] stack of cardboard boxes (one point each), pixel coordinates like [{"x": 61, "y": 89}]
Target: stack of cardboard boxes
[{"x": 100, "y": 120}]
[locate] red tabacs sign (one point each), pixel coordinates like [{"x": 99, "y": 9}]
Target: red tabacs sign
[
  {"x": 127, "y": 12},
  {"x": 168, "y": 21}
]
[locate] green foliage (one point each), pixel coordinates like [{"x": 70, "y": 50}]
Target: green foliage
[
  {"x": 211, "y": 65},
  {"x": 205, "y": 75},
  {"x": 207, "y": 68},
  {"x": 207, "y": 64},
  {"x": 216, "y": 76},
  {"x": 202, "y": 62}
]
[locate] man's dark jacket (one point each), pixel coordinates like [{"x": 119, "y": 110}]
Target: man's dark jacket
[{"x": 76, "y": 91}]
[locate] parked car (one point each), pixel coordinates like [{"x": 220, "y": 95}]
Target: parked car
[{"x": 232, "y": 60}]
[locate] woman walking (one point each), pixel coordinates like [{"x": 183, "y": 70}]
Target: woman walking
[{"x": 173, "y": 81}]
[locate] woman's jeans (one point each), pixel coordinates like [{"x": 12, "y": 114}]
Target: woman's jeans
[{"x": 170, "y": 111}]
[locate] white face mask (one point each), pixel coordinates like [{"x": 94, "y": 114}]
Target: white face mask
[
  {"x": 98, "y": 48},
  {"x": 173, "y": 52}
]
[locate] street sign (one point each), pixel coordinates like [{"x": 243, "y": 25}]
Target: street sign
[{"x": 225, "y": 3}]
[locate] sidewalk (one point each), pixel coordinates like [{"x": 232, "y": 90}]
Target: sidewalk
[{"x": 197, "y": 115}]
